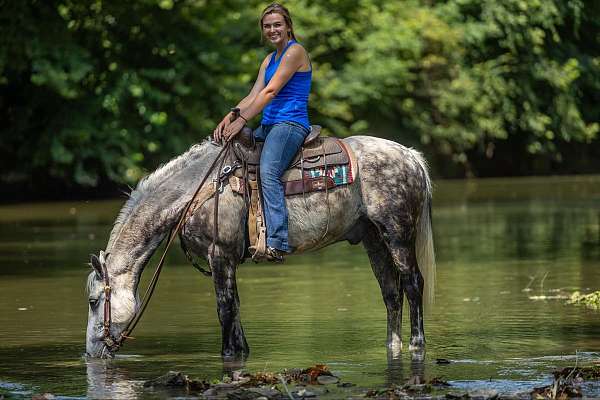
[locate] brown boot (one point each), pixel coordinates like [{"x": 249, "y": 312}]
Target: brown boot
[{"x": 272, "y": 254}]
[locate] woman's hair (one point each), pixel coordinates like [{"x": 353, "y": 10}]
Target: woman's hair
[{"x": 276, "y": 8}]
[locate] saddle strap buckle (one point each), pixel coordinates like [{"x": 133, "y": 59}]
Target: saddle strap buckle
[{"x": 226, "y": 170}]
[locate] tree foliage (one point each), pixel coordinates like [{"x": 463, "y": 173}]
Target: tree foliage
[{"x": 101, "y": 91}]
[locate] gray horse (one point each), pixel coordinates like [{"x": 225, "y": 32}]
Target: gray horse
[{"x": 387, "y": 208}]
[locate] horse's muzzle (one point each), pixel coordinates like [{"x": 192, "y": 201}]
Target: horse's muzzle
[{"x": 99, "y": 349}]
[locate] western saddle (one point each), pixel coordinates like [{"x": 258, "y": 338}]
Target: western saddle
[
  {"x": 316, "y": 153},
  {"x": 241, "y": 170}
]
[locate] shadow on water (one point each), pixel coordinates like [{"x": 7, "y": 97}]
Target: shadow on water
[{"x": 505, "y": 249}]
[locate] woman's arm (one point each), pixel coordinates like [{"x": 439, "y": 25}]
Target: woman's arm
[
  {"x": 259, "y": 85},
  {"x": 293, "y": 59}
]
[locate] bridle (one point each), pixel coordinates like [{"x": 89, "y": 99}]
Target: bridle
[
  {"x": 111, "y": 343},
  {"x": 200, "y": 196}
]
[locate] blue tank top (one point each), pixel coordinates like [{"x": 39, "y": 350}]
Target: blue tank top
[{"x": 291, "y": 103}]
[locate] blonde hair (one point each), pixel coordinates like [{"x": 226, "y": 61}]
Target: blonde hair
[{"x": 276, "y": 8}]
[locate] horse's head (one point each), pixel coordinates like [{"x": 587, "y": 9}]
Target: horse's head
[{"x": 112, "y": 303}]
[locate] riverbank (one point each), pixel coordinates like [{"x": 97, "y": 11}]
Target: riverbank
[{"x": 318, "y": 382}]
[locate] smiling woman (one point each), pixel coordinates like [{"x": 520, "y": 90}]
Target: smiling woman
[{"x": 281, "y": 93}]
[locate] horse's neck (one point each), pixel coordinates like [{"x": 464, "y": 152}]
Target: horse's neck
[
  {"x": 153, "y": 210},
  {"x": 130, "y": 255}
]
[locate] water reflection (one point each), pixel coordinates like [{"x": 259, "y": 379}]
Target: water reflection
[
  {"x": 107, "y": 381},
  {"x": 396, "y": 373},
  {"x": 230, "y": 366}
]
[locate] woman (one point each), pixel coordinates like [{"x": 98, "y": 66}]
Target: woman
[{"x": 281, "y": 93}]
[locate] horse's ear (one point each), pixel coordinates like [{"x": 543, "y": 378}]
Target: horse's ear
[{"x": 97, "y": 265}]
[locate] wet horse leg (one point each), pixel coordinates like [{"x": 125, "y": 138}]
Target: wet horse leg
[
  {"x": 234, "y": 345},
  {"x": 412, "y": 282},
  {"x": 401, "y": 246},
  {"x": 388, "y": 277}
]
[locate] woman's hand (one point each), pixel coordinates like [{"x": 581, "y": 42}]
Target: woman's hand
[
  {"x": 233, "y": 129},
  {"x": 218, "y": 132}
]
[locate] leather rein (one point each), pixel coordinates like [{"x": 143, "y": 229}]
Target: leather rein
[{"x": 113, "y": 343}]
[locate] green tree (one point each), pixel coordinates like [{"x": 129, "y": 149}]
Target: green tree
[{"x": 99, "y": 91}]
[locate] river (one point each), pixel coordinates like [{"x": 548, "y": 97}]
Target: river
[{"x": 507, "y": 250}]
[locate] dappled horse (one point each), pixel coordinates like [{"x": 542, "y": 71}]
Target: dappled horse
[{"x": 387, "y": 208}]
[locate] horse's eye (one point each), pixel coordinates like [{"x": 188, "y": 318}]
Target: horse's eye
[{"x": 93, "y": 303}]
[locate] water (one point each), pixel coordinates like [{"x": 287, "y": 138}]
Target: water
[{"x": 500, "y": 243}]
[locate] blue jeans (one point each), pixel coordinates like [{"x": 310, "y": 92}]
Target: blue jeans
[{"x": 282, "y": 142}]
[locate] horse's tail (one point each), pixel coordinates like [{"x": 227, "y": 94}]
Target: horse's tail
[{"x": 424, "y": 240}]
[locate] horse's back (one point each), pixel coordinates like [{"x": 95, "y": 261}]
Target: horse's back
[
  {"x": 379, "y": 157},
  {"x": 390, "y": 182},
  {"x": 393, "y": 177}
]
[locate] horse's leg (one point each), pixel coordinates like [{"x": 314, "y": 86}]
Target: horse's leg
[
  {"x": 412, "y": 282},
  {"x": 234, "y": 345},
  {"x": 401, "y": 246},
  {"x": 388, "y": 277}
]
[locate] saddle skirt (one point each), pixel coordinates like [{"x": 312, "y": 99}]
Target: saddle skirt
[{"x": 321, "y": 163}]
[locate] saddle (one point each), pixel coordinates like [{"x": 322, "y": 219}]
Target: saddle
[
  {"x": 316, "y": 153},
  {"x": 321, "y": 164}
]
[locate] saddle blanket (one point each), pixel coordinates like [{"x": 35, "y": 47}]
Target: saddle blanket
[
  {"x": 340, "y": 174},
  {"x": 322, "y": 165},
  {"x": 317, "y": 179}
]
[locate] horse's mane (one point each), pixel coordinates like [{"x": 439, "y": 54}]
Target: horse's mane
[{"x": 147, "y": 184}]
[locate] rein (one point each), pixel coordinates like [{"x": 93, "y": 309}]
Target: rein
[{"x": 114, "y": 344}]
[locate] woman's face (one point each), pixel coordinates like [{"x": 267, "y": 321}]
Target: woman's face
[{"x": 275, "y": 29}]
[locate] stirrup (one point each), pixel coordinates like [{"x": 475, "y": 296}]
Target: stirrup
[{"x": 259, "y": 250}]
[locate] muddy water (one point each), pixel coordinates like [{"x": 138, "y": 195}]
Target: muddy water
[{"x": 506, "y": 249}]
